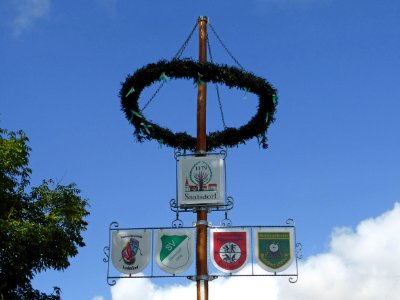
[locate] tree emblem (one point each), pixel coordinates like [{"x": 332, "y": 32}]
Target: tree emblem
[{"x": 200, "y": 175}]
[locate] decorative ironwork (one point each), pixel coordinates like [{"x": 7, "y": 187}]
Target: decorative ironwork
[
  {"x": 292, "y": 275},
  {"x": 111, "y": 281},
  {"x": 177, "y": 223},
  {"x": 173, "y": 204},
  {"x": 290, "y": 222},
  {"x": 229, "y": 205},
  {"x": 114, "y": 225},
  {"x": 299, "y": 247},
  {"x": 106, "y": 251},
  {"x": 224, "y": 153},
  {"x": 226, "y": 222},
  {"x": 178, "y": 153}
]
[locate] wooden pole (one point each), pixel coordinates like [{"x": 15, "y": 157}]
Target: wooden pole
[
  {"x": 202, "y": 88},
  {"x": 201, "y": 146}
]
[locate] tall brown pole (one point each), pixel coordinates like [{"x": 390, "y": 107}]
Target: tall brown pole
[{"x": 202, "y": 223}]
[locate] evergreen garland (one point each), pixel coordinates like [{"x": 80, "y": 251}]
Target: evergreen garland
[{"x": 201, "y": 74}]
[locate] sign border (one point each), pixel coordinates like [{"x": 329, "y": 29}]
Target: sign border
[
  {"x": 291, "y": 245},
  {"x": 132, "y": 232},
  {"x": 180, "y": 186},
  {"x": 158, "y": 246},
  {"x": 248, "y": 251}
]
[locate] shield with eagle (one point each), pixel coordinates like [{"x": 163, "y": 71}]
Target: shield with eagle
[
  {"x": 274, "y": 248},
  {"x": 229, "y": 248},
  {"x": 130, "y": 250},
  {"x": 174, "y": 250}
]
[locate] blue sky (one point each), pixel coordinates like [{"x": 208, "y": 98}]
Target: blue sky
[{"x": 333, "y": 157}]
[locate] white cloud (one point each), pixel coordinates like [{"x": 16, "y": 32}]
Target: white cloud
[
  {"x": 29, "y": 11},
  {"x": 361, "y": 264},
  {"x": 144, "y": 289},
  {"x": 98, "y": 298}
]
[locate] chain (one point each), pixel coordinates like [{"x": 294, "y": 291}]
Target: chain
[
  {"x": 180, "y": 51},
  {"x": 177, "y": 55},
  {"x": 153, "y": 96},
  {"x": 216, "y": 87},
  {"x": 226, "y": 49}
]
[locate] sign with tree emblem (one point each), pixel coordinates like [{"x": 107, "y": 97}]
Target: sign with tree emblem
[
  {"x": 130, "y": 250},
  {"x": 229, "y": 249},
  {"x": 201, "y": 181},
  {"x": 174, "y": 250},
  {"x": 274, "y": 248}
]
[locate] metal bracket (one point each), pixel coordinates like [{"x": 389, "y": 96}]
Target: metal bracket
[
  {"x": 202, "y": 277},
  {"x": 201, "y": 153},
  {"x": 201, "y": 208},
  {"x": 202, "y": 222},
  {"x": 173, "y": 204}
]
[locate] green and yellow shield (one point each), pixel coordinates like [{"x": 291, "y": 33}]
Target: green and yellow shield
[{"x": 274, "y": 248}]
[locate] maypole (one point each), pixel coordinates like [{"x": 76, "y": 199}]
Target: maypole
[
  {"x": 201, "y": 145},
  {"x": 200, "y": 183}
]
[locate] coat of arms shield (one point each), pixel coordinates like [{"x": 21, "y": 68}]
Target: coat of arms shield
[
  {"x": 274, "y": 248},
  {"x": 174, "y": 250},
  {"x": 229, "y": 249},
  {"x": 130, "y": 250}
]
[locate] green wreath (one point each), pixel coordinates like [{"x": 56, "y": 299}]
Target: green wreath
[{"x": 200, "y": 73}]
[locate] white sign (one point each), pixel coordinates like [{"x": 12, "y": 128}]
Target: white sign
[
  {"x": 130, "y": 250},
  {"x": 174, "y": 250},
  {"x": 201, "y": 181}
]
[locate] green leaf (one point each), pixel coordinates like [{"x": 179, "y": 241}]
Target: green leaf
[{"x": 40, "y": 227}]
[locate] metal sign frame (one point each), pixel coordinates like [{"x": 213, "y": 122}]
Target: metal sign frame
[
  {"x": 220, "y": 202},
  {"x": 293, "y": 274}
]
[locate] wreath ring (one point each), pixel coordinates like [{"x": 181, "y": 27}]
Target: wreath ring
[{"x": 200, "y": 73}]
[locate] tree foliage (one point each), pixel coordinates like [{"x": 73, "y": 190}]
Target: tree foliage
[{"x": 40, "y": 227}]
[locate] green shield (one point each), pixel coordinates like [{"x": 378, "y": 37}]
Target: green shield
[
  {"x": 169, "y": 245},
  {"x": 275, "y": 250},
  {"x": 174, "y": 250}
]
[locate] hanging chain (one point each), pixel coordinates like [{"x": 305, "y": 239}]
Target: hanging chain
[
  {"x": 177, "y": 56},
  {"x": 216, "y": 87},
  {"x": 153, "y": 96},
  {"x": 226, "y": 49},
  {"x": 182, "y": 49}
]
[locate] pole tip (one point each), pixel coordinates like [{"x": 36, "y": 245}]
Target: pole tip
[{"x": 203, "y": 18}]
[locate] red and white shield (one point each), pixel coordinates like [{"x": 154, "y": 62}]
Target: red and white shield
[{"x": 229, "y": 249}]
